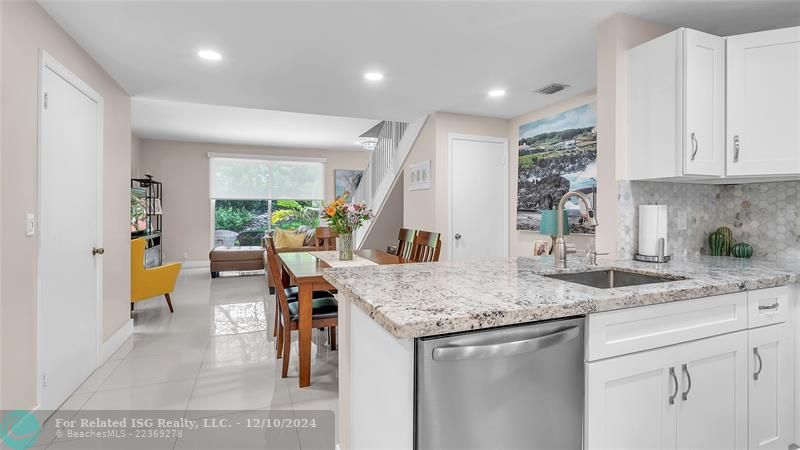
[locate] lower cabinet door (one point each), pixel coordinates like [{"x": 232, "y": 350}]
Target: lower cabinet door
[
  {"x": 771, "y": 387},
  {"x": 631, "y": 401},
  {"x": 712, "y": 404}
]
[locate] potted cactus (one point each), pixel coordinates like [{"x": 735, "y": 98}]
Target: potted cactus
[{"x": 719, "y": 242}]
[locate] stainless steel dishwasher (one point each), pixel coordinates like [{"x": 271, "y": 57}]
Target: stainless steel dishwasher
[{"x": 518, "y": 387}]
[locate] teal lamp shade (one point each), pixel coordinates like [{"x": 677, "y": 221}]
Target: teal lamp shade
[{"x": 549, "y": 225}]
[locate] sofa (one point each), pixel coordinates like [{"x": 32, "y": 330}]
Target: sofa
[
  {"x": 227, "y": 258},
  {"x": 241, "y": 258}
]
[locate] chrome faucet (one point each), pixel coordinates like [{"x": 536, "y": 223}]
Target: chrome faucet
[{"x": 560, "y": 251}]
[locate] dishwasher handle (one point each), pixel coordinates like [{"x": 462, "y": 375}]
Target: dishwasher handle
[{"x": 510, "y": 348}]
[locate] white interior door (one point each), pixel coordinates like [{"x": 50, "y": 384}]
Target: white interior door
[
  {"x": 69, "y": 228},
  {"x": 479, "y": 197}
]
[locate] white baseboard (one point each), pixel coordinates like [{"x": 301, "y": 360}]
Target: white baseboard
[
  {"x": 204, "y": 264},
  {"x": 113, "y": 343}
]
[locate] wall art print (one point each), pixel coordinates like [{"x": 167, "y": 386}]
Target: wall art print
[
  {"x": 346, "y": 181},
  {"x": 557, "y": 154}
]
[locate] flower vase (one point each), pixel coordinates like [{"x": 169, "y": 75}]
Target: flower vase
[{"x": 346, "y": 246}]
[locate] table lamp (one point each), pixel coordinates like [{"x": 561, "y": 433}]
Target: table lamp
[{"x": 549, "y": 225}]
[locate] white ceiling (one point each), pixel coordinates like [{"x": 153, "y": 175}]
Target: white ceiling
[
  {"x": 309, "y": 57},
  {"x": 182, "y": 121}
]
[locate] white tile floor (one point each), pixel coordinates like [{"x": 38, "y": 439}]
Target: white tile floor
[{"x": 207, "y": 356}]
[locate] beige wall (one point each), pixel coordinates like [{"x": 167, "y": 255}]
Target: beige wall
[
  {"x": 27, "y": 28},
  {"x": 2, "y": 404},
  {"x": 615, "y": 36},
  {"x": 419, "y": 207},
  {"x": 136, "y": 157},
  {"x": 383, "y": 231},
  {"x": 522, "y": 241},
  {"x": 183, "y": 168}
]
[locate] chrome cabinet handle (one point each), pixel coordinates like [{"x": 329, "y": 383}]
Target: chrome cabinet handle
[
  {"x": 736, "y": 148},
  {"x": 674, "y": 380},
  {"x": 98, "y": 251},
  {"x": 695, "y": 146},
  {"x": 768, "y": 307},
  {"x": 457, "y": 236},
  {"x": 685, "y": 395},
  {"x": 760, "y": 363},
  {"x": 458, "y": 352}
]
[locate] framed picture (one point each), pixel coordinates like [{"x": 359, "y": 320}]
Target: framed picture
[
  {"x": 419, "y": 176},
  {"x": 346, "y": 181},
  {"x": 542, "y": 248},
  {"x": 556, "y": 155}
]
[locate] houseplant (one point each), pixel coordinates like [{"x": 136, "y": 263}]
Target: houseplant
[{"x": 345, "y": 218}]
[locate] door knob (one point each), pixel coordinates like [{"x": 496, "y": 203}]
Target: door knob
[
  {"x": 98, "y": 251},
  {"x": 457, "y": 236}
]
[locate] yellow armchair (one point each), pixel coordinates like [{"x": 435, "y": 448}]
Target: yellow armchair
[{"x": 153, "y": 282}]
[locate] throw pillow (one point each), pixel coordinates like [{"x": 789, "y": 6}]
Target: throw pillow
[{"x": 288, "y": 239}]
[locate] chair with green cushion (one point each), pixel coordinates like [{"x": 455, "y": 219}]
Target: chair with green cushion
[
  {"x": 405, "y": 243},
  {"x": 324, "y": 313},
  {"x": 426, "y": 248},
  {"x": 291, "y": 292}
]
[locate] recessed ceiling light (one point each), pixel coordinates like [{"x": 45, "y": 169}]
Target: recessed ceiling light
[
  {"x": 368, "y": 144},
  {"x": 209, "y": 55},
  {"x": 494, "y": 93},
  {"x": 373, "y": 76}
]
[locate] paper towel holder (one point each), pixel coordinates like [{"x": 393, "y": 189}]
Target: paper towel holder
[{"x": 660, "y": 258}]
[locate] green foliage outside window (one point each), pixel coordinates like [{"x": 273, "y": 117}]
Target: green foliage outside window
[
  {"x": 242, "y": 216},
  {"x": 233, "y": 218},
  {"x": 291, "y": 214}
]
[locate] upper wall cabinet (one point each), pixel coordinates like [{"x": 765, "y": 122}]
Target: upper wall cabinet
[
  {"x": 764, "y": 103},
  {"x": 686, "y": 124},
  {"x": 676, "y": 107}
]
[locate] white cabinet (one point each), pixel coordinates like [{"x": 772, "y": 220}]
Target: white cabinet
[
  {"x": 712, "y": 412},
  {"x": 676, "y": 109},
  {"x": 691, "y": 395},
  {"x": 628, "y": 401},
  {"x": 771, "y": 388},
  {"x": 763, "y": 95},
  {"x": 704, "y": 104},
  {"x": 702, "y": 108}
]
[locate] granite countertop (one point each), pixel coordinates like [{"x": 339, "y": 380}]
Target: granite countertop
[{"x": 417, "y": 300}]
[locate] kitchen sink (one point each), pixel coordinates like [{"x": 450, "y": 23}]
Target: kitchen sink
[{"x": 613, "y": 278}]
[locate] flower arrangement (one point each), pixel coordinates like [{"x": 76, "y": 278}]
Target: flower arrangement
[{"x": 345, "y": 217}]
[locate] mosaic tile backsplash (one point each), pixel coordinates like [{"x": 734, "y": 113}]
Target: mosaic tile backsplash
[{"x": 765, "y": 215}]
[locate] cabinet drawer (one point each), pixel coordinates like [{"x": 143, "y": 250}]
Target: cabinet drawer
[
  {"x": 626, "y": 331},
  {"x": 768, "y": 306}
]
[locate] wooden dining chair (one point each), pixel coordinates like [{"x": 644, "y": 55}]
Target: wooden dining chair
[
  {"x": 324, "y": 314},
  {"x": 427, "y": 246},
  {"x": 325, "y": 238},
  {"x": 291, "y": 292},
  {"x": 405, "y": 243}
]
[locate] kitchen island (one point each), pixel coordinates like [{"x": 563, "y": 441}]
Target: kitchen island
[{"x": 384, "y": 310}]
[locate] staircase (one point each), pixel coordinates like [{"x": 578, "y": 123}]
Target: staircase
[{"x": 383, "y": 170}]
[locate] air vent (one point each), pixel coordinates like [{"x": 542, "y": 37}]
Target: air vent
[{"x": 552, "y": 88}]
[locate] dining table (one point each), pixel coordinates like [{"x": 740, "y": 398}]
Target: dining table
[{"x": 304, "y": 269}]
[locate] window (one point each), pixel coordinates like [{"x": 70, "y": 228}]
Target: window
[{"x": 252, "y": 196}]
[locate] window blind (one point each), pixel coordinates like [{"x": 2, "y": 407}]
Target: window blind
[{"x": 263, "y": 179}]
